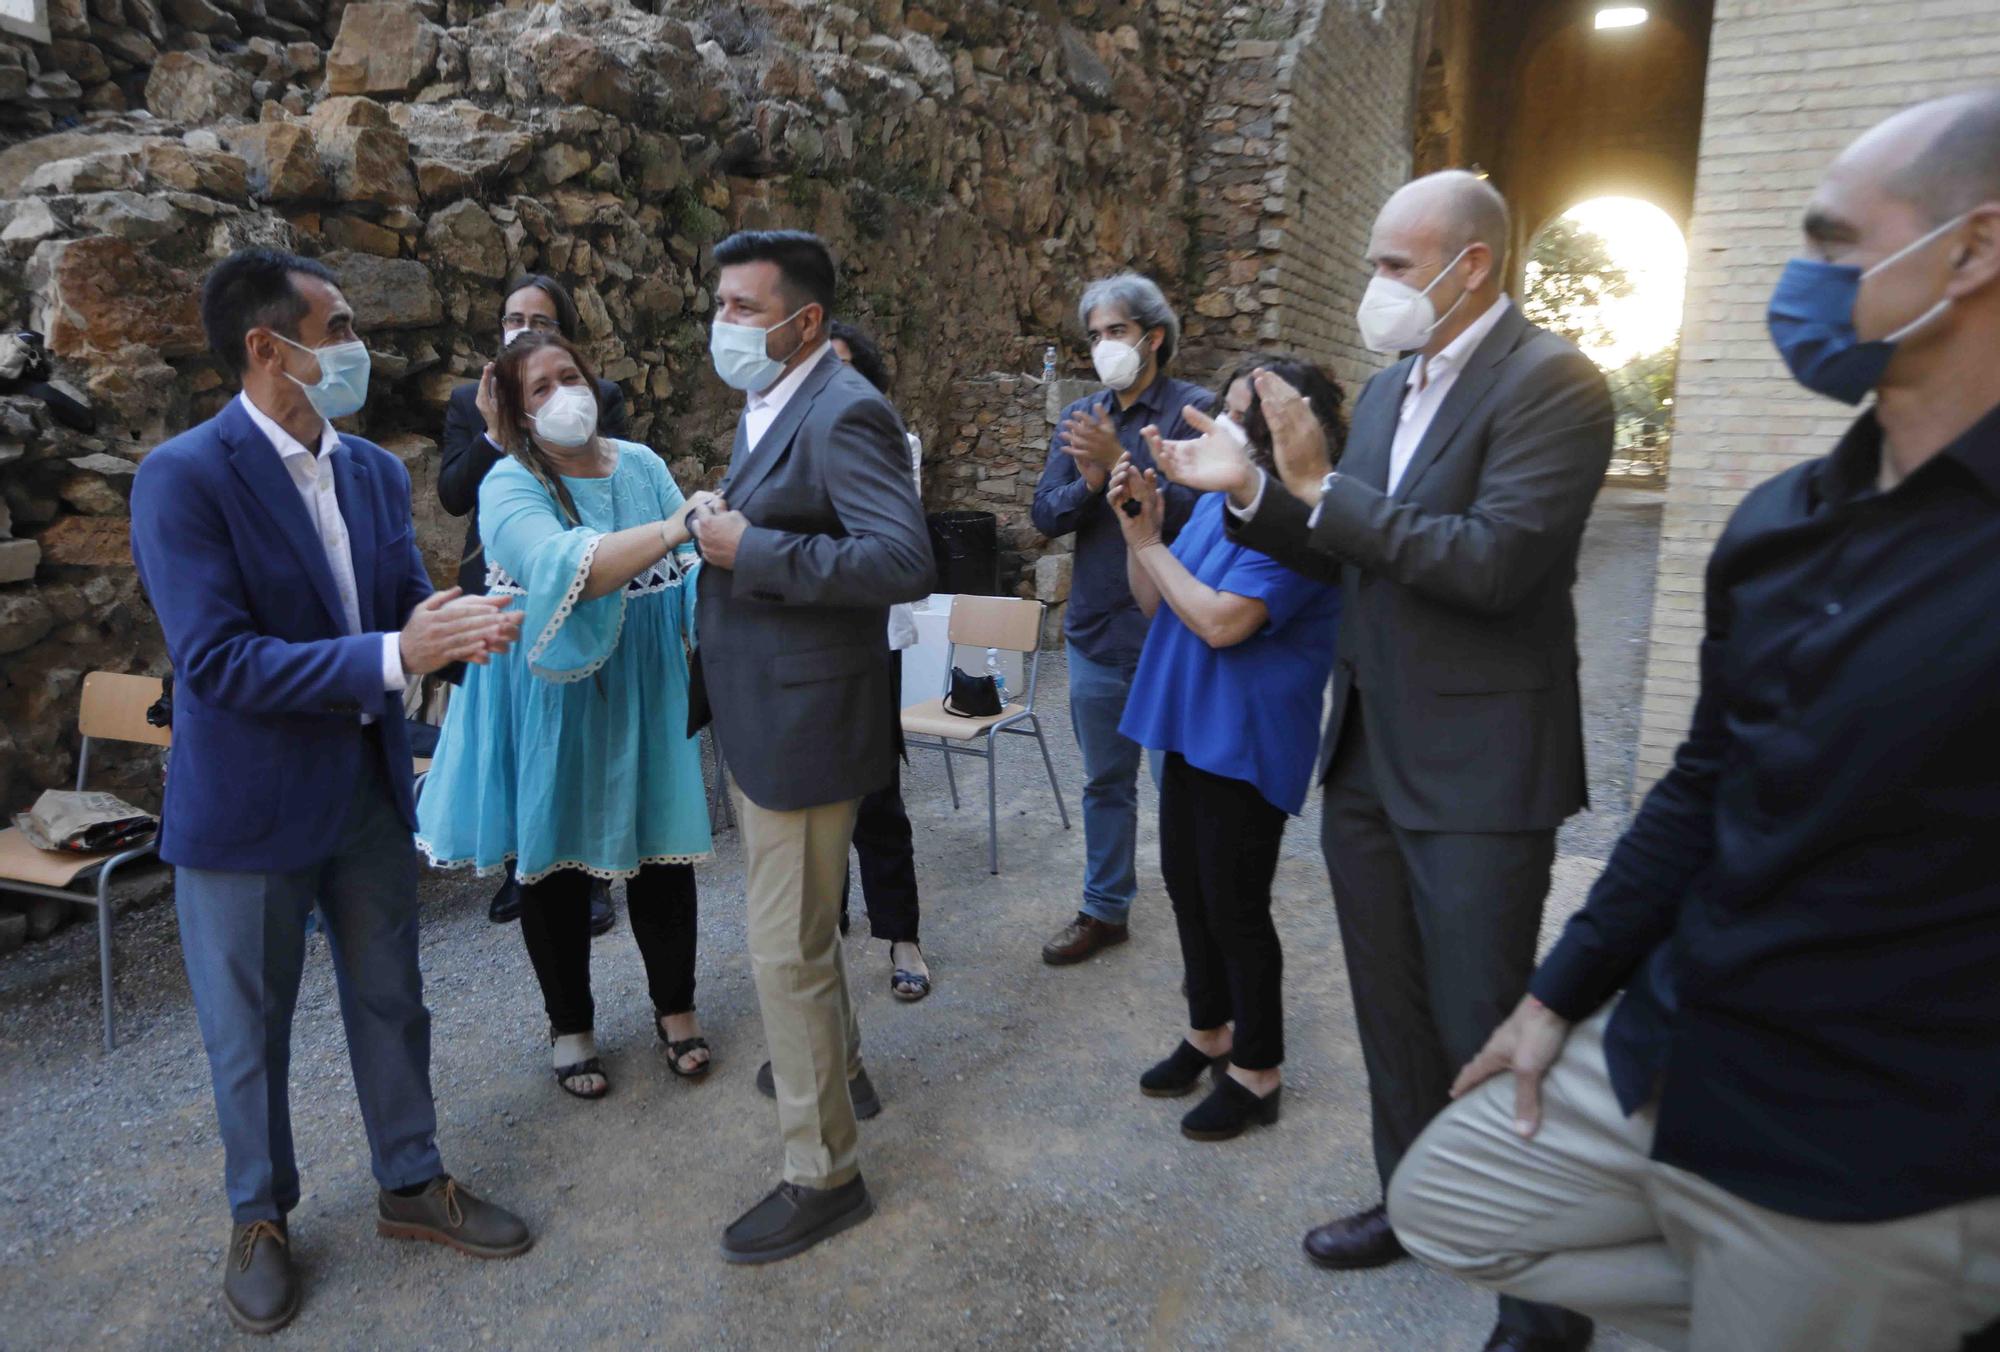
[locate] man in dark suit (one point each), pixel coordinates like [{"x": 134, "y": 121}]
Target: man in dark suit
[
  {"x": 817, "y": 532},
  {"x": 280, "y": 556},
  {"x": 1455, "y": 744},
  {"x": 534, "y": 303}
]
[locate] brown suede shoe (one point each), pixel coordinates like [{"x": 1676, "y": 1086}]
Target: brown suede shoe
[
  {"x": 447, "y": 1213},
  {"x": 1081, "y": 938},
  {"x": 259, "y": 1289}
]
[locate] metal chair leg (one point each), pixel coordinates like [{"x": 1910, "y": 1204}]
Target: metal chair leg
[
  {"x": 950, "y": 775},
  {"x": 992, "y": 802},
  {"x": 104, "y": 953},
  {"x": 1049, "y": 764}
]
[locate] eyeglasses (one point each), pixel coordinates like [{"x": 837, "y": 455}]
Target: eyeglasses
[{"x": 539, "y": 323}]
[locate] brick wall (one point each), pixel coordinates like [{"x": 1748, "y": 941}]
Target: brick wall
[
  {"x": 1345, "y": 117},
  {"x": 1790, "y": 82}
]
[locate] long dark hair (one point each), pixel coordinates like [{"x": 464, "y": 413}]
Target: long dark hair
[
  {"x": 1309, "y": 379},
  {"x": 515, "y": 424}
]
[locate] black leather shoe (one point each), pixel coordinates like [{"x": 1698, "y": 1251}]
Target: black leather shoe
[
  {"x": 793, "y": 1219},
  {"x": 1505, "y": 1339},
  {"x": 1230, "y": 1108},
  {"x": 860, "y": 1089},
  {"x": 1363, "y": 1240},
  {"x": 1180, "y": 1072},
  {"x": 505, "y": 908},
  {"x": 602, "y": 917},
  {"x": 259, "y": 1289}
]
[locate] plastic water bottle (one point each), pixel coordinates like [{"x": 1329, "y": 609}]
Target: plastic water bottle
[
  {"x": 999, "y": 675},
  {"x": 1048, "y": 366}
]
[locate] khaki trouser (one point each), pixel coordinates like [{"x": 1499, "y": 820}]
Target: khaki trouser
[
  {"x": 794, "y": 865},
  {"x": 1580, "y": 1217}
]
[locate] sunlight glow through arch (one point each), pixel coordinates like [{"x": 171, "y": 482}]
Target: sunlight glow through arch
[{"x": 1644, "y": 241}]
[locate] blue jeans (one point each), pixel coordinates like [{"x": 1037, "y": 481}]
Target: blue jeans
[
  {"x": 1097, "y": 692},
  {"x": 243, "y": 936}
]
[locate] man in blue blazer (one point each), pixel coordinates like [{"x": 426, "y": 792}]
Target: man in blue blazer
[{"x": 280, "y": 557}]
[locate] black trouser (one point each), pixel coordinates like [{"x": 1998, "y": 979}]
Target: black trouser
[
  {"x": 555, "y": 924},
  {"x": 882, "y": 841},
  {"x": 1219, "y": 842},
  {"x": 1439, "y": 931}
]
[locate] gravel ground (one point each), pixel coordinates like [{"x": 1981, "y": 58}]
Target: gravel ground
[{"x": 1028, "y": 1197}]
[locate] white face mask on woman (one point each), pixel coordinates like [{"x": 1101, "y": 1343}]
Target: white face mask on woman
[{"x": 568, "y": 418}]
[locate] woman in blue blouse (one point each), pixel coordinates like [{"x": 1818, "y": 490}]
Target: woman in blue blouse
[
  {"x": 1229, "y": 687},
  {"x": 569, "y": 754}
]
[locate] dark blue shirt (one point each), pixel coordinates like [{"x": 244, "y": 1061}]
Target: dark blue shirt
[
  {"x": 1103, "y": 620},
  {"x": 1250, "y": 711},
  {"x": 1807, "y": 907}
]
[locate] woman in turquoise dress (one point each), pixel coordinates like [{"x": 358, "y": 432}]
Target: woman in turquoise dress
[{"x": 569, "y": 754}]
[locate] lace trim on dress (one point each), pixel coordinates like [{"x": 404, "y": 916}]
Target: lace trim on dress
[
  {"x": 608, "y": 874},
  {"x": 555, "y": 624}
]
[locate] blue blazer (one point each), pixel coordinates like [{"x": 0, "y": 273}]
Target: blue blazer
[{"x": 269, "y": 686}]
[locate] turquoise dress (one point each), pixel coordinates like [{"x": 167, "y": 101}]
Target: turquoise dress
[{"x": 570, "y": 750}]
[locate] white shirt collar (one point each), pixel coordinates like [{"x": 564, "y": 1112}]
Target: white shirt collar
[
  {"x": 780, "y": 394},
  {"x": 286, "y": 445},
  {"x": 1425, "y": 370}
]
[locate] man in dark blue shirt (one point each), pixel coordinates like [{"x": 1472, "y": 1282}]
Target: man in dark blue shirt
[
  {"x": 1786, "y": 1134},
  {"x": 1133, "y": 336}
]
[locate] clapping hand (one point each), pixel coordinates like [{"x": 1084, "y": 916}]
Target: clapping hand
[
  {"x": 1213, "y": 462},
  {"x": 1090, "y": 439},
  {"x": 488, "y": 403},
  {"x": 449, "y": 626},
  {"x": 1298, "y": 438},
  {"x": 1130, "y": 488}
]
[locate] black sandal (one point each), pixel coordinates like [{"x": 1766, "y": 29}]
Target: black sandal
[
  {"x": 576, "y": 1070},
  {"x": 904, "y": 984},
  {"x": 685, "y": 1047}
]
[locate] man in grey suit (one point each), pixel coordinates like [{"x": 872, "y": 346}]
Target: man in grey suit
[
  {"x": 816, "y": 533},
  {"x": 1455, "y": 745}
]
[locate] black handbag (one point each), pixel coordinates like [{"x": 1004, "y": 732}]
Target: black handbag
[{"x": 972, "y": 696}]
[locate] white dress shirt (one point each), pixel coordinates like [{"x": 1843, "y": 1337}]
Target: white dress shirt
[
  {"x": 903, "y": 616},
  {"x": 312, "y": 475},
  {"x": 763, "y": 409},
  {"x": 1431, "y": 379}
]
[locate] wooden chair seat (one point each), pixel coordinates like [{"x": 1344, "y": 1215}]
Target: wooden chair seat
[
  {"x": 929, "y": 719},
  {"x": 21, "y": 862}
]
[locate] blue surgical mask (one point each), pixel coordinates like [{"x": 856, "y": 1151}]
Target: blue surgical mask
[
  {"x": 1811, "y": 318},
  {"x": 741, "y": 355},
  {"x": 342, "y": 387}
]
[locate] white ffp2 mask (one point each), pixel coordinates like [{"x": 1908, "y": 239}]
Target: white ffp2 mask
[{"x": 1396, "y": 317}]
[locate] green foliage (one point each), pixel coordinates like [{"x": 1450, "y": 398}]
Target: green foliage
[
  {"x": 1642, "y": 392},
  {"x": 1570, "y": 275}
]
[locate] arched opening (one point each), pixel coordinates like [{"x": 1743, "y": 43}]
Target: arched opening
[{"x": 1609, "y": 274}]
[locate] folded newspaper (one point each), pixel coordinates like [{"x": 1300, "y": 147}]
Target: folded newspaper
[{"x": 85, "y": 823}]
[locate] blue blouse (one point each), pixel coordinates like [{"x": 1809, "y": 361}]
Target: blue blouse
[
  {"x": 1252, "y": 711},
  {"x": 570, "y": 750}
]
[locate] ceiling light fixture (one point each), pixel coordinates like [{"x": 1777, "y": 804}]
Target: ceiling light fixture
[{"x": 1621, "y": 16}]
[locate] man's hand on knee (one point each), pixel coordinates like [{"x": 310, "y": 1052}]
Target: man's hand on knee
[{"x": 1528, "y": 1043}]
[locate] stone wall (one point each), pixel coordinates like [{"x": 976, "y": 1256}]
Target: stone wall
[
  {"x": 973, "y": 161},
  {"x": 1789, "y": 83}
]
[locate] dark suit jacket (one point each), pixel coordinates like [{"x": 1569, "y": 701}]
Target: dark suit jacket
[
  {"x": 1459, "y": 635},
  {"x": 794, "y": 639},
  {"x": 467, "y": 455},
  {"x": 269, "y": 687}
]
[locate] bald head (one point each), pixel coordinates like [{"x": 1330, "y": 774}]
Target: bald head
[
  {"x": 1951, "y": 153},
  {"x": 1454, "y": 207}
]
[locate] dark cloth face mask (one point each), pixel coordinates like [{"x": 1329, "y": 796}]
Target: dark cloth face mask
[{"x": 1811, "y": 318}]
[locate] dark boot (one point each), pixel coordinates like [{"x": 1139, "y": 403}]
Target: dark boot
[
  {"x": 505, "y": 908},
  {"x": 793, "y": 1219},
  {"x": 1081, "y": 938},
  {"x": 259, "y": 1289},
  {"x": 446, "y": 1213},
  {"x": 602, "y": 917}
]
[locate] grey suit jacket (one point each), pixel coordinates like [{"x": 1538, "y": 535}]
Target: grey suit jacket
[
  {"x": 794, "y": 639},
  {"x": 1457, "y": 631}
]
